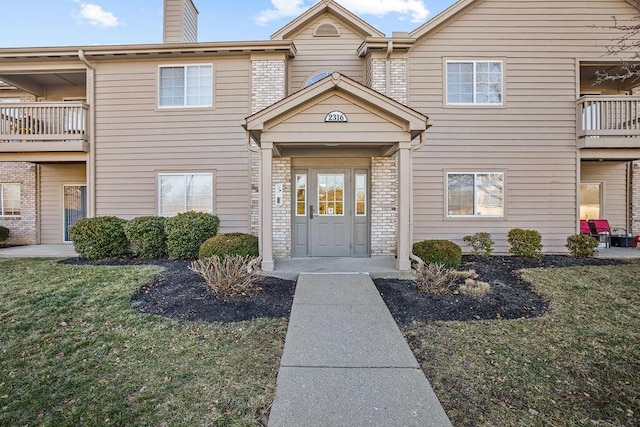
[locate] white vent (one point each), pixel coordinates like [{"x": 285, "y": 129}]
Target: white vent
[{"x": 326, "y": 30}]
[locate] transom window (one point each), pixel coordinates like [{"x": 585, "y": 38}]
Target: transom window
[
  {"x": 475, "y": 83},
  {"x": 182, "y": 192},
  {"x": 10, "y": 199},
  {"x": 186, "y": 86},
  {"x": 475, "y": 194}
]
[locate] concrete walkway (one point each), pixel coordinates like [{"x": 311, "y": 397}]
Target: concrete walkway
[
  {"x": 345, "y": 362},
  {"x": 39, "y": 251}
]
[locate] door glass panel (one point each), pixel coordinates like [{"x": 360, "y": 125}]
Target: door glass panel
[
  {"x": 361, "y": 194},
  {"x": 331, "y": 194},
  {"x": 590, "y": 199},
  {"x": 301, "y": 194},
  {"x": 75, "y": 206}
]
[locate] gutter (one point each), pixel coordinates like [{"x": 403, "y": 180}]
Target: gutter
[{"x": 91, "y": 166}]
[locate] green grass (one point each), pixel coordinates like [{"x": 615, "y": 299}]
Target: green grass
[
  {"x": 73, "y": 352},
  {"x": 578, "y": 365}
]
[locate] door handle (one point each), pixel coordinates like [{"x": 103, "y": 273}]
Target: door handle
[{"x": 310, "y": 211}]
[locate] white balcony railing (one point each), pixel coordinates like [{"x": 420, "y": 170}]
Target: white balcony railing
[
  {"x": 609, "y": 117},
  {"x": 43, "y": 122}
]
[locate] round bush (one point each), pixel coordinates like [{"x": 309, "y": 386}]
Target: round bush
[
  {"x": 4, "y": 233},
  {"x": 438, "y": 252},
  {"x": 187, "y": 231},
  {"x": 525, "y": 243},
  {"x": 582, "y": 246},
  {"x": 100, "y": 237},
  {"x": 147, "y": 236},
  {"x": 229, "y": 244}
]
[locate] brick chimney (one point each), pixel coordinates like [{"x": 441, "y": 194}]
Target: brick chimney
[{"x": 180, "y": 21}]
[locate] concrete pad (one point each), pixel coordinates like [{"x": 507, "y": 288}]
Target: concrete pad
[
  {"x": 335, "y": 289},
  {"x": 355, "y": 397},
  {"x": 39, "y": 251},
  {"x": 345, "y": 336}
]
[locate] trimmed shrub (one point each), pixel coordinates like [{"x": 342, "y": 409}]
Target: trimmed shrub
[
  {"x": 231, "y": 276},
  {"x": 100, "y": 237},
  {"x": 147, "y": 236},
  {"x": 435, "y": 278},
  {"x": 224, "y": 245},
  {"x": 582, "y": 246},
  {"x": 4, "y": 233},
  {"x": 438, "y": 251},
  {"x": 525, "y": 243},
  {"x": 187, "y": 231},
  {"x": 480, "y": 244}
]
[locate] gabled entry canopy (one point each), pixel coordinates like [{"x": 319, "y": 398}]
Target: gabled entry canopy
[{"x": 336, "y": 112}]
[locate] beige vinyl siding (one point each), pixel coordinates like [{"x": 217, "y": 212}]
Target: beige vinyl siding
[
  {"x": 320, "y": 54},
  {"x": 532, "y": 138},
  {"x": 135, "y": 140},
  {"x": 613, "y": 177},
  {"x": 52, "y": 178},
  {"x": 190, "y": 22}
]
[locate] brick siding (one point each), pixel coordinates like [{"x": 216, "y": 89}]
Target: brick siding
[
  {"x": 384, "y": 206},
  {"x": 23, "y": 229}
]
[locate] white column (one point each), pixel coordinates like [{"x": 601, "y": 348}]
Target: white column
[
  {"x": 403, "y": 262},
  {"x": 266, "y": 195}
]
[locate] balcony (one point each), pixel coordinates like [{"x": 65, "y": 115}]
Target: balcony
[
  {"x": 44, "y": 127},
  {"x": 608, "y": 122}
]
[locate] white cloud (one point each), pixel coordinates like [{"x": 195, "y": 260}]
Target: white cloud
[
  {"x": 413, "y": 9},
  {"x": 97, "y": 16}
]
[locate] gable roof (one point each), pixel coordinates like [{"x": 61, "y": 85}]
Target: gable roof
[
  {"x": 416, "y": 122},
  {"x": 320, "y": 8},
  {"x": 452, "y": 11}
]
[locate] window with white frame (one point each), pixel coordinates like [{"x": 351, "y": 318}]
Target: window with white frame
[
  {"x": 186, "y": 86},
  {"x": 475, "y": 194},
  {"x": 10, "y": 199},
  {"x": 475, "y": 83},
  {"x": 182, "y": 192}
]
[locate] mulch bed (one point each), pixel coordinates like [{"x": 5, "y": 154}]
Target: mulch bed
[{"x": 179, "y": 293}]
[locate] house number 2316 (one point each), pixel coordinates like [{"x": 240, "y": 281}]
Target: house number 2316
[{"x": 336, "y": 116}]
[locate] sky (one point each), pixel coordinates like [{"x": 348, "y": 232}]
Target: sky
[{"x": 98, "y": 22}]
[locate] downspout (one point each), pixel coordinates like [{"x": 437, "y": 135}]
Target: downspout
[
  {"x": 388, "y": 69},
  {"x": 91, "y": 167},
  {"x": 256, "y": 149},
  {"x": 629, "y": 224}
]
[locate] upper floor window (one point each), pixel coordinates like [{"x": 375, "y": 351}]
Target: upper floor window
[
  {"x": 475, "y": 194},
  {"x": 182, "y": 192},
  {"x": 186, "y": 86},
  {"x": 10, "y": 199},
  {"x": 317, "y": 78},
  {"x": 475, "y": 83}
]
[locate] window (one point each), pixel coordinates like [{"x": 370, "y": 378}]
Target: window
[
  {"x": 474, "y": 83},
  {"x": 361, "y": 194},
  {"x": 317, "y": 78},
  {"x": 182, "y": 192},
  {"x": 590, "y": 201},
  {"x": 301, "y": 194},
  {"x": 475, "y": 194},
  {"x": 331, "y": 194},
  {"x": 186, "y": 86},
  {"x": 10, "y": 199}
]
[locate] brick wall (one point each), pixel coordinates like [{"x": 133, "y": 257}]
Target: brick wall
[
  {"x": 378, "y": 75},
  {"x": 268, "y": 86},
  {"x": 282, "y": 213},
  {"x": 635, "y": 199},
  {"x": 398, "y": 84},
  {"x": 384, "y": 206},
  {"x": 22, "y": 229}
]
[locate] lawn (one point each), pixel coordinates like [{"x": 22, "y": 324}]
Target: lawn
[
  {"x": 577, "y": 365},
  {"x": 73, "y": 352}
]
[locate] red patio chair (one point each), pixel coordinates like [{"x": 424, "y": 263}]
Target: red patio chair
[
  {"x": 584, "y": 227},
  {"x": 601, "y": 228}
]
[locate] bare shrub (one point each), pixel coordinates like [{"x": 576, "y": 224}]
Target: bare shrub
[
  {"x": 475, "y": 288},
  {"x": 231, "y": 276},
  {"x": 467, "y": 274},
  {"x": 435, "y": 279}
]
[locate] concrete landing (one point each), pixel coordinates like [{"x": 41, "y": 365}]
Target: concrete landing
[{"x": 345, "y": 361}]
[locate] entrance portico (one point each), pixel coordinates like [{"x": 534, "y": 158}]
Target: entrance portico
[{"x": 332, "y": 139}]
